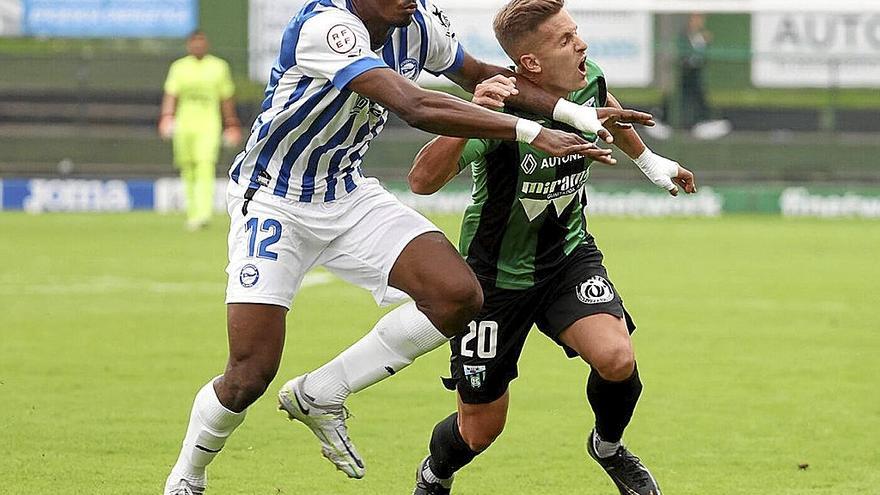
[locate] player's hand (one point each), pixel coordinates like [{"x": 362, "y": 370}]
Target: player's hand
[
  {"x": 492, "y": 92},
  {"x": 598, "y": 120},
  {"x": 560, "y": 143},
  {"x": 232, "y": 136},
  {"x": 166, "y": 127},
  {"x": 612, "y": 117},
  {"x": 685, "y": 180}
]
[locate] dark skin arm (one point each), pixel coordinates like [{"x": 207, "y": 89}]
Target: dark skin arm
[
  {"x": 531, "y": 97},
  {"x": 437, "y": 162},
  {"x": 625, "y": 137},
  {"x": 440, "y": 113}
]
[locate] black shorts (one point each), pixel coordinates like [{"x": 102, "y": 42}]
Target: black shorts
[{"x": 484, "y": 360}]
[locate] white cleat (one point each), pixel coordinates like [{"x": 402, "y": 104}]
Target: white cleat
[
  {"x": 327, "y": 423},
  {"x": 177, "y": 485}
]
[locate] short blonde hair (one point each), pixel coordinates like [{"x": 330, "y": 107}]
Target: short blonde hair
[{"x": 519, "y": 18}]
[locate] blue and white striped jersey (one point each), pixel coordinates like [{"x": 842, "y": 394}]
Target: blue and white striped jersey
[{"x": 310, "y": 139}]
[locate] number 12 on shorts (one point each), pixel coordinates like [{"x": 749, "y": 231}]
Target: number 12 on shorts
[
  {"x": 485, "y": 333},
  {"x": 270, "y": 226}
]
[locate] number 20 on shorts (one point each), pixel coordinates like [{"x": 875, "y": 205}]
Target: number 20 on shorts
[
  {"x": 485, "y": 333},
  {"x": 269, "y": 226}
]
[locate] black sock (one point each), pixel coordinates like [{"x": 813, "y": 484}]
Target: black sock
[
  {"x": 449, "y": 452},
  {"x": 613, "y": 403}
]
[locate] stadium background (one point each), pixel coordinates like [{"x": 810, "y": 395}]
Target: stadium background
[
  {"x": 87, "y": 108},
  {"x": 758, "y": 338}
]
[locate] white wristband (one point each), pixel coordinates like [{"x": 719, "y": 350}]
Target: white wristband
[
  {"x": 527, "y": 130},
  {"x": 658, "y": 169},
  {"x": 583, "y": 118}
]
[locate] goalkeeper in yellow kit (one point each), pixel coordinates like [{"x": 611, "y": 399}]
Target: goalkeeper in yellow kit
[{"x": 197, "y": 106}]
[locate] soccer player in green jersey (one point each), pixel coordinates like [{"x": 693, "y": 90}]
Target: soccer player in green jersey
[
  {"x": 198, "y": 104},
  {"x": 525, "y": 237}
]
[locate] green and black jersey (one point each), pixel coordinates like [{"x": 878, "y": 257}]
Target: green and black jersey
[{"x": 527, "y": 211}]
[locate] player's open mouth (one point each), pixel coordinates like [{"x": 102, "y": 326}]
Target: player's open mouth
[{"x": 582, "y": 67}]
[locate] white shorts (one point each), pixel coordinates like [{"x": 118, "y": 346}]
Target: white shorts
[{"x": 357, "y": 237}]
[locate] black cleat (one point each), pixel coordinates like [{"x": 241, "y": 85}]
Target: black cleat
[
  {"x": 625, "y": 470},
  {"x": 423, "y": 487}
]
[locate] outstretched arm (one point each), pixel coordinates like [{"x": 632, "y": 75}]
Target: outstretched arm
[
  {"x": 438, "y": 161},
  {"x": 661, "y": 171},
  {"x": 440, "y": 113},
  {"x": 532, "y": 98}
]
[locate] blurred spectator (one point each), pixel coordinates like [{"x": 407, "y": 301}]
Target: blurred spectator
[
  {"x": 197, "y": 106},
  {"x": 694, "y": 110}
]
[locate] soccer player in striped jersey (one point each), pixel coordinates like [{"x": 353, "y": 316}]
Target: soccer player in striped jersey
[
  {"x": 298, "y": 198},
  {"x": 525, "y": 236}
]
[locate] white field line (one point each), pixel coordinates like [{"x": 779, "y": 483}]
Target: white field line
[{"x": 112, "y": 285}]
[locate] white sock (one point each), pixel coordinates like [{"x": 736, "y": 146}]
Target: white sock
[
  {"x": 603, "y": 448},
  {"x": 210, "y": 424},
  {"x": 398, "y": 338}
]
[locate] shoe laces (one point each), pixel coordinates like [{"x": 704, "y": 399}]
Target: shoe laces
[
  {"x": 339, "y": 413},
  {"x": 185, "y": 488},
  {"x": 632, "y": 466},
  {"x": 432, "y": 488}
]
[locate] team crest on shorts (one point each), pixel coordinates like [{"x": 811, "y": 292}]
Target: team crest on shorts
[
  {"x": 475, "y": 375},
  {"x": 249, "y": 275},
  {"x": 595, "y": 290}
]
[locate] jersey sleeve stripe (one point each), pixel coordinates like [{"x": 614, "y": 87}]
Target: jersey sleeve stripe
[
  {"x": 354, "y": 69},
  {"x": 457, "y": 63},
  {"x": 284, "y": 129},
  {"x": 304, "y": 139}
]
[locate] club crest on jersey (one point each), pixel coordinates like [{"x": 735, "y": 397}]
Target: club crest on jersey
[
  {"x": 249, "y": 275},
  {"x": 529, "y": 164},
  {"x": 341, "y": 39},
  {"x": 475, "y": 375},
  {"x": 595, "y": 290},
  {"x": 409, "y": 69}
]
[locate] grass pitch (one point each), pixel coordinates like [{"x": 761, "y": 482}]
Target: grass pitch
[{"x": 758, "y": 344}]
